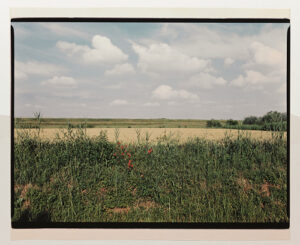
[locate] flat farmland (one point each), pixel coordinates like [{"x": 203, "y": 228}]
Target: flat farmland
[
  {"x": 110, "y": 123},
  {"x": 77, "y": 173},
  {"x": 132, "y": 135}
]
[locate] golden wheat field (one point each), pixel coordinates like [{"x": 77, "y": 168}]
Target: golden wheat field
[{"x": 132, "y": 135}]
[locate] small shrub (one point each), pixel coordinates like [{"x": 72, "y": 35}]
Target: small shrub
[
  {"x": 275, "y": 126},
  {"x": 250, "y": 120},
  {"x": 213, "y": 123},
  {"x": 272, "y": 116},
  {"x": 232, "y": 122}
]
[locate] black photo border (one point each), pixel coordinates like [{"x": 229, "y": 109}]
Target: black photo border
[{"x": 151, "y": 225}]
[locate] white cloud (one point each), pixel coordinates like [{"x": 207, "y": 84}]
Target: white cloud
[
  {"x": 151, "y": 104},
  {"x": 207, "y": 43},
  {"x": 282, "y": 89},
  {"x": 265, "y": 65},
  {"x": 74, "y": 104},
  {"x": 231, "y": 40},
  {"x": 24, "y": 69},
  {"x": 102, "y": 51},
  {"x": 228, "y": 61},
  {"x": 160, "y": 57},
  {"x": 114, "y": 86},
  {"x": 254, "y": 79},
  {"x": 71, "y": 94},
  {"x": 121, "y": 69},
  {"x": 263, "y": 55},
  {"x": 21, "y": 32},
  {"x": 60, "y": 82},
  {"x": 173, "y": 103},
  {"x": 165, "y": 92},
  {"x": 62, "y": 30},
  {"x": 35, "y": 106},
  {"x": 119, "y": 103},
  {"x": 206, "y": 81},
  {"x": 20, "y": 75},
  {"x": 167, "y": 32}
]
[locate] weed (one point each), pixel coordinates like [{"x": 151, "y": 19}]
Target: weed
[{"x": 76, "y": 178}]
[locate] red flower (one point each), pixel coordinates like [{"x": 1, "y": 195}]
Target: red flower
[
  {"x": 150, "y": 150},
  {"x": 122, "y": 154},
  {"x": 129, "y": 164},
  {"x": 115, "y": 154},
  {"x": 122, "y": 147},
  {"x": 129, "y": 155},
  {"x": 118, "y": 143}
]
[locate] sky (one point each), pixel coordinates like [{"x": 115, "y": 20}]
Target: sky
[{"x": 149, "y": 70}]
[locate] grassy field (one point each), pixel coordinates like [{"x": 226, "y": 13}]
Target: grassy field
[
  {"x": 135, "y": 135},
  {"x": 108, "y": 123},
  {"x": 79, "y": 178}
]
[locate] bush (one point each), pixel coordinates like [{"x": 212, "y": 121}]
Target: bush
[
  {"x": 272, "y": 116},
  {"x": 275, "y": 126},
  {"x": 284, "y": 116},
  {"x": 232, "y": 122},
  {"x": 250, "y": 120},
  {"x": 213, "y": 123}
]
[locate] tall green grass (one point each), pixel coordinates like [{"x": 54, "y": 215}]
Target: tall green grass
[{"x": 75, "y": 178}]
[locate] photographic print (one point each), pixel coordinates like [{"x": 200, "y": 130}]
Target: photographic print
[{"x": 150, "y": 123}]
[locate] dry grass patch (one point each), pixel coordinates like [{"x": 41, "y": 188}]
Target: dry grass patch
[
  {"x": 244, "y": 183},
  {"x": 141, "y": 204},
  {"x": 129, "y": 135},
  {"x": 119, "y": 210},
  {"x": 203, "y": 185},
  {"x": 26, "y": 188},
  {"x": 265, "y": 188},
  {"x": 26, "y": 204},
  {"x": 146, "y": 204}
]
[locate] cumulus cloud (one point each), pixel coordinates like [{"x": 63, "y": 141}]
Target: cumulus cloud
[
  {"x": 119, "y": 103},
  {"x": 24, "y": 69},
  {"x": 102, "y": 51},
  {"x": 62, "y": 30},
  {"x": 60, "y": 82},
  {"x": 254, "y": 79},
  {"x": 202, "y": 41},
  {"x": 173, "y": 103},
  {"x": 114, "y": 86},
  {"x": 160, "y": 57},
  {"x": 206, "y": 81},
  {"x": 228, "y": 61},
  {"x": 121, "y": 69},
  {"x": 164, "y": 92},
  {"x": 222, "y": 41},
  {"x": 263, "y": 55},
  {"x": 20, "y": 75},
  {"x": 151, "y": 104},
  {"x": 282, "y": 89},
  {"x": 265, "y": 65}
]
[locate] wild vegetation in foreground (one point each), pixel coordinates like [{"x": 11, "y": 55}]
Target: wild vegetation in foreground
[{"x": 82, "y": 179}]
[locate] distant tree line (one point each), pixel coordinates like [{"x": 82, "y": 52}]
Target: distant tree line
[{"x": 273, "y": 120}]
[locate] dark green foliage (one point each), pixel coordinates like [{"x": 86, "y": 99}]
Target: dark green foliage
[
  {"x": 250, "y": 120},
  {"x": 232, "y": 122},
  {"x": 213, "y": 123},
  {"x": 81, "y": 179},
  {"x": 275, "y": 126},
  {"x": 272, "y": 117},
  {"x": 271, "y": 121}
]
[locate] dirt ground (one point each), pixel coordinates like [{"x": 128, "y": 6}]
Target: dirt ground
[{"x": 130, "y": 135}]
